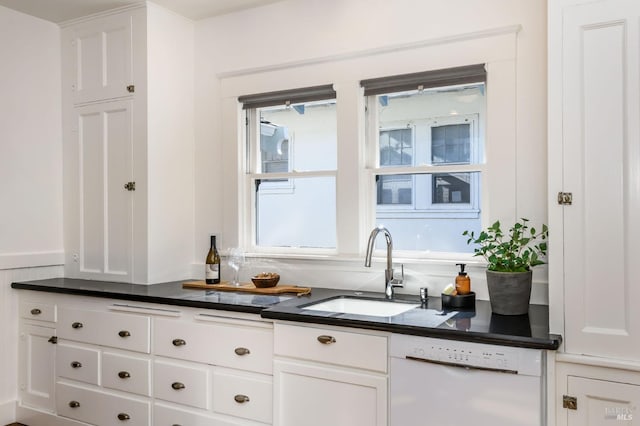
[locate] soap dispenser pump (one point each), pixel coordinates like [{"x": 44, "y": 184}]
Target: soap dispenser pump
[{"x": 463, "y": 282}]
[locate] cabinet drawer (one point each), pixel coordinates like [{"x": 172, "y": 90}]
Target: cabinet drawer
[
  {"x": 177, "y": 339},
  {"x": 100, "y": 408},
  {"x": 246, "y": 395},
  {"x": 126, "y": 373},
  {"x": 235, "y": 346},
  {"x": 331, "y": 346},
  {"x": 38, "y": 311},
  {"x": 244, "y": 348},
  {"x": 130, "y": 332},
  {"x": 78, "y": 363},
  {"x": 188, "y": 385},
  {"x": 171, "y": 416}
]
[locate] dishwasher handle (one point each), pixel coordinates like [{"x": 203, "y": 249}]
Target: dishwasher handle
[{"x": 465, "y": 366}]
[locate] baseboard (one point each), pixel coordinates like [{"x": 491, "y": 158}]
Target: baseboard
[{"x": 7, "y": 412}]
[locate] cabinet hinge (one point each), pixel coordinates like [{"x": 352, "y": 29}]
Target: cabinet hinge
[
  {"x": 130, "y": 186},
  {"x": 131, "y": 88},
  {"x": 565, "y": 198},
  {"x": 570, "y": 402}
]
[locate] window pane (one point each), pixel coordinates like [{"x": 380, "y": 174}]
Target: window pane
[
  {"x": 433, "y": 127},
  {"x": 395, "y": 189},
  {"x": 274, "y": 148},
  {"x": 301, "y": 137},
  {"x": 425, "y": 225},
  {"x": 451, "y": 144},
  {"x": 303, "y": 214},
  {"x": 451, "y": 188},
  {"x": 396, "y": 148}
]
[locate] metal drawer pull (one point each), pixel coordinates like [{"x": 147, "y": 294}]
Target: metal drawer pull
[
  {"x": 124, "y": 375},
  {"x": 76, "y": 325},
  {"x": 242, "y": 351},
  {"x": 124, "y": 333},
  {"x": 178, "y": 385},
  {"x": 241, "y": 399},
  {"x": 74, "y": 404},
  {"x": 36, "y": 311},
  {"x": 123, "y": 416},
  {"x": 76, "y": 364},
  {"x": 179, "y": 342},
  {"x": 326, "y": 340}
]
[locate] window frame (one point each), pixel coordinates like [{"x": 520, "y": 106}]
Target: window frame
[{"x": 231, "y": 211}]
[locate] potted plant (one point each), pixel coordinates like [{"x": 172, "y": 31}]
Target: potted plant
[{"x": 510, "y": 257}]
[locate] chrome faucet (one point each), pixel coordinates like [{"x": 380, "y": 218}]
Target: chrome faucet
[{"x": 389, "y": 282}]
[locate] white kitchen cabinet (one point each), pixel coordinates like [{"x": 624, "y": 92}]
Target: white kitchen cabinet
[
  {"x": 597, "y": 395},
  {"x": 598, "y": 129},
  {"x": 109, "y": 368},
  {"x": 37, "y": 366},
  {"x": 594, "y": 170},
  {"x": 128, "y": 145},
  {"x": 239, "y": 386},
  {"x": 37, "y": 345},
  {"x": 325, "y": 376},
  {"x": 102, "y": 54}
]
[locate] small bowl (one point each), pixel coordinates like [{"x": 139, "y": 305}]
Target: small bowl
[{"x": 266, "y": 282}]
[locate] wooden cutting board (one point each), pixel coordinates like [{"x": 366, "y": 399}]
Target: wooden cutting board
[{"x": 248, "y": 288}]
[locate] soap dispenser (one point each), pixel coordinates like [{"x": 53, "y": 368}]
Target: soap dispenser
[{"x": 463, "y": 282}]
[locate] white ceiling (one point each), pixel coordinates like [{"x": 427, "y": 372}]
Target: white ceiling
[{"x": 63, "y": 10}]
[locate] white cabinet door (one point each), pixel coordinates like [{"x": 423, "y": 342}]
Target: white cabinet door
[
  {"x": 601, "y": 168},
  {"x": 37, "y": 358},
  {"x": 104, "y": 148},
  {"x": 602, "y": 403},
  {"x": 101, "y": 50},
  {"x": 314, "y": 395}
]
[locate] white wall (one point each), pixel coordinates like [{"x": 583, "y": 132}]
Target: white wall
[
  {"x": 30, "y": 174},
  {"x": 30, "y": 142},
  {"x": 289, "y": 44}
]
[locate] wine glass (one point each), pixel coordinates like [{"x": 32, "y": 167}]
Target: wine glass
[{"x": 235, "y": 260}]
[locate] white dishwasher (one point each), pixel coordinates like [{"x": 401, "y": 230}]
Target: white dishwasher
[{"x": 451, "y": 383}]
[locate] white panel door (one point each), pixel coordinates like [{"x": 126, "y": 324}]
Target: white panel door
[
  {"x": 102, "y": 58},
  {"x": 601, "y": 167},
  {"x": 37, "y": 360},
  {"x": 315, "y": 395},
  {"x": 602, "y": 403},
  {"x": 105, "y": 151}
]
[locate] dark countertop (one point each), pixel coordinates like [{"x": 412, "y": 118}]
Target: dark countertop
[{"x": 478, "y": 325}]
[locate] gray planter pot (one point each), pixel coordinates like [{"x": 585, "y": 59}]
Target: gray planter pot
[{"x": 509, "y": 292}]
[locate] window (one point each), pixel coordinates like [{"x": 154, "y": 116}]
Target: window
[
  {"x": 427, "y": 136},
  {"x": 291, "y": 168}
]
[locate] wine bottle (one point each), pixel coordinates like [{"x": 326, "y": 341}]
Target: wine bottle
[{"x": 212, "y": 275}]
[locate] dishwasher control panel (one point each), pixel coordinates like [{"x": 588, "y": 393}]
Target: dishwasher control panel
[{"x": 467, "y": 354}]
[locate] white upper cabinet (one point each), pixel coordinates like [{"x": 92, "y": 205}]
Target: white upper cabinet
[
  {"x": 102, "y": 52},
  {"x": 128, "y": 145},
  {"x": 595, "y": 155}
]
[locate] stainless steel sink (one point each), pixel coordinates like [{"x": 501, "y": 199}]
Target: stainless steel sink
[{"x": 362, "y": 306}]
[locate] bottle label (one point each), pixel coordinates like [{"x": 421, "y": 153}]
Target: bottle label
[{"x": 211, "y": 271}]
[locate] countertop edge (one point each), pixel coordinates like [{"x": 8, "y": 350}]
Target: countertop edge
[
  {"x": 553, "y": 343},
  {"x": 140, "y": 298}
]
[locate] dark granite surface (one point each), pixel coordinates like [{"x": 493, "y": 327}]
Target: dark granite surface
[{"x": 477, "y": 325}]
